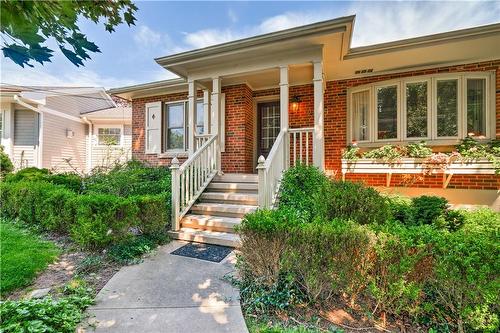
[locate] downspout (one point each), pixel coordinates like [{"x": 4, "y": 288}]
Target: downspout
[
  {"x": 40, "y": 128},
  {"x": 89, "y": 144}
]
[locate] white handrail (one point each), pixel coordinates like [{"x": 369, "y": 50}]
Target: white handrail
[
  {"x": 301, "y": 141},
  {"x": 191, "y": 178},
  {"x": 271, "y": 169},
  {"x": 200, "y": 139}
]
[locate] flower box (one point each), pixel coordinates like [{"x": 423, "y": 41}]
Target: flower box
[{"x": 416, "y": 166}]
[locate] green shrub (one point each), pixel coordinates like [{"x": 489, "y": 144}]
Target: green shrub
[
  {"x": 300, "y": 188},
  {"x": 153, "y": 213},
  {"x": 102, "y": 219},
  {"x": 351, "y": 201},
  {"x": 401, "y": 209},
  {"x": 130, "y": 251},
  {"x": 418, "y": 150},
  {"x": 427, "y": 209},
  {"x": 6, "y": 165},
  {"x": 387, "y": 153},
  {"x": 69, "y": 180},
  {"x": 131, "y": 178},
  {"x": 58, "y": 211},
  {"x": 465, "y": 289}
]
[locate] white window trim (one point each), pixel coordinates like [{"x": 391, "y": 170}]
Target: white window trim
[
  {"x": 96, "y": 134},
  {"x": 164, "y": 127},
  {"x": 176, "y": 152},
  {"x": 432, "y": 79}
]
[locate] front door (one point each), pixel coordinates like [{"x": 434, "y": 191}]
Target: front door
[{"x": 268, "y": 126}]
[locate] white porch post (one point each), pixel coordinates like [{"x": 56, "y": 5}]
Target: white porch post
[
  {"x": 206, "y": 111},
  {"x": 216, "y": 91},
  {"x": 318, "y": 136},
  {"x": 284, "y": 98},
  {"x": 191, "y": 116}
]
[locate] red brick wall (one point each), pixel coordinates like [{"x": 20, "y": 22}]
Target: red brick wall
[
  {"x": 238, "y": 155},
  {"x": 336, "y": 136},
  {"x": 138, "y": 126}
]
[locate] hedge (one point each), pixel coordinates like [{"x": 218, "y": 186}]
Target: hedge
[
  {"x": 424, "y": 262},
  {"x": 93, "y": 220}
]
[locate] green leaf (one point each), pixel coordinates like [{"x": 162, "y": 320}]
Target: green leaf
[
  {"x": 17, "y": 53},
  {"x": 40, "y": 54},
  {"x": 72, "y": 56}
]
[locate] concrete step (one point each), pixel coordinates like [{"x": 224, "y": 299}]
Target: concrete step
[
  {"x": 231, "y": 197},
  {"x": 212, "y": 223},
  {"x": 205, "y": 236},
  {"x": 233, "y": 187},
  {"x": 222, "y": 209},
  {"x": 237, "y": 178}
]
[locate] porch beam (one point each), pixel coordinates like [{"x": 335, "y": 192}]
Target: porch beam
[
  {"x": 191, "y": 116},
  {"x": 206, "y": 111},
  {"x": 318, "y": 135}
]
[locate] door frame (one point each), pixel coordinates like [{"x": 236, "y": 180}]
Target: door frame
[{"x": 256, "y": 102}]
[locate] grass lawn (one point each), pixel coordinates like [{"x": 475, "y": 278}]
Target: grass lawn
[{"x": 23, "y": 255}]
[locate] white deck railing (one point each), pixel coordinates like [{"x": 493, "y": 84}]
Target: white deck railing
[
  {"x": 200, "y": 139},
  {"x": 191, "y": 178},
  {"x": 301, "y": 145},
  {"x": 271, "y": 169}
]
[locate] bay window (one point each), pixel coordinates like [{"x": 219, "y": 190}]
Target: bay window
[
  {"x": 447, "y": 108},
  {"x": 387, "y": 112},
  {"x": 440, "y": 108},
  {"x": 417, "y": 109},
  {"x": 360, "y": 107},
  {"x": 476, "y": 106}
]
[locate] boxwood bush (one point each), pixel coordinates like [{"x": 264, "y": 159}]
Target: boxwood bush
[
  {"x": 97, "y": 211},
  {"x": 403, "y": 263}
]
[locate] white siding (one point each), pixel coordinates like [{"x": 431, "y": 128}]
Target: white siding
[
  {"x": 60, "y": 153},
  {"x": 105, "y": 156},
  {"x": 25, "y": 138}
]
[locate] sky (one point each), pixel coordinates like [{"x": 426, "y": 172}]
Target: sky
[{"x": 168, "y": 27}]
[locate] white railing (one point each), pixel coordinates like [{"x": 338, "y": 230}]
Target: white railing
[
  {"x": 191, "y": 178},
  {"x": 200, "y": 139},
  {"x": 271, "y": 169},
  {"x": 301, "y": 145}
]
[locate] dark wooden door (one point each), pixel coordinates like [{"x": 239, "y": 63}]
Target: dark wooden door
[{"x": 268, "y": 126}]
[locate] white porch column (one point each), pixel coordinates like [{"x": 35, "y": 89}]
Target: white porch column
[
  {"x": 191, "y": 116},
  {"x": 216, "y": 91},
  {"x": 206, "y": 111},
  {"x": 284, "y": 97},
  {"x": 318, "y": 136}
]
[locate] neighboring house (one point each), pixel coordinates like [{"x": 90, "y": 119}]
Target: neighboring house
[
  {"x": 304, "y": 94},
  {"x": 63, "y": 128}
]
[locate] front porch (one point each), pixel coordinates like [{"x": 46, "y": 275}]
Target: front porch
[{"x": 259, "y": 123}]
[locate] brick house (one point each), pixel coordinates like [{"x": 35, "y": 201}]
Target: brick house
[{"x": 242, "y": 112}]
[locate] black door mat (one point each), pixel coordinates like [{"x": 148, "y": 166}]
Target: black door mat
[{"x": 208, "y": 252}]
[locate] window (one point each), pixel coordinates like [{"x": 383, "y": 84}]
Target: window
[
  {"x": 360, "y": 106},
  {"x": 447, "y": 108},
  {"x": 109, "y": 136},
  {"x": 175, "y": 128},
  {"x": 441, "y": 107},
  {"x": 416, "y": 110},
  {"x": 476, "y": 106},
  {"x": 387, "y": 113},
  {"x": 200, "y": 121}
]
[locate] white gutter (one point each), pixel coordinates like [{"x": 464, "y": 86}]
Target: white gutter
[
  {"x": 89, "y": 144},
  {"x": 40, "y": 129}
]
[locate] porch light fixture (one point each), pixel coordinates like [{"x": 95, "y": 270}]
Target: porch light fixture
[
  {"x": 70, "y": 134},
  {"x": 295, "y": 103}
]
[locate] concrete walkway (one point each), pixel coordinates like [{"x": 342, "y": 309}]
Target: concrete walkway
[{"x": 169, "y": 293}]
